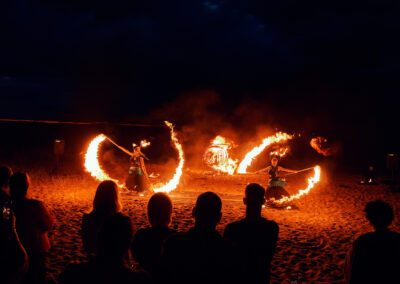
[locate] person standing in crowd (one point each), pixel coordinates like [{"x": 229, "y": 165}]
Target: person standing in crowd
[
  {"x": 109, "y": 266},
  {"x": 33, "y": 221},
  {"x": 375, "y": 256},
  {"x": 148, "y": 242},
  {"x": 254, "y": 238},
  {"x": 200, "y": 255},
  {"x": 5, "y": 174},
  {"x": 106, "y": 202}
]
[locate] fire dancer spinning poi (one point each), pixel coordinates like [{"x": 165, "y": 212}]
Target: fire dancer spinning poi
[
  {"x": 138, "y": 179},
  {"x": 276, "y": 184}
]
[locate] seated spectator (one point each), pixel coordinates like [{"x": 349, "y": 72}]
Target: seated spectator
[
  {"x": 106, "y": 202},
  {"x": 148, "y": 242},
  {"x": 254, "y": 237},
  {"x": 115, "y": 239},
  {"x": 33, "y": 221},
  {"x": 13, "y": 257},
  {"x": 199, "y": 255},
  {"x": 375, "y": 256}
]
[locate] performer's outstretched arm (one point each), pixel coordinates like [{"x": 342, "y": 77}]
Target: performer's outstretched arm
[
  {"x": 263, "y": 170},
  {"x": 286, "y": 170}
]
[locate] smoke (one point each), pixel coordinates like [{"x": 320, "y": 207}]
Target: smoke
[{"x": 202, "y": 115}]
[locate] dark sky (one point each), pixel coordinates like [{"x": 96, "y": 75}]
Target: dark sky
[{"x": 118, "y": 60}]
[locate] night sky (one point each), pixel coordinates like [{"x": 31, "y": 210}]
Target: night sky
[{"x": 336, "y": 62}]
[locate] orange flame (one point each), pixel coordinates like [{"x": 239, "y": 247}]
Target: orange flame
[
  {"x": 173, "y": 183},
  {"x": 311, "y": 183},
  {"x": 144, "y": 143},
  {"x": 217, "y": 157},
  {"x": 316, "y": 143},
  {"x": 250, "y": 156},
  {"x": 281, "y": 152},
  {"x": 92, "y": 163},
  {"x": 320, "y": 145}
]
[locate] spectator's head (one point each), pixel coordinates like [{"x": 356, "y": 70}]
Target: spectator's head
[
  {"x": 19, "y": 184},
  {"x": 254, "y": 195},
  {"x": 159, "y": 210},
  {"x": 207, "y": 211},
  {"x": 106, "y": 201},
  {"x": 5, "y": 174},
  {"x": 115, "y": 237},
  {"x": 379, "y": 214}
]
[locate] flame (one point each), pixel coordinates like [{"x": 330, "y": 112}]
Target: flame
[
  {"x": 91, "y": 160},
  {"x": 316, "y": 143},
  {"x": 217, "y": 157},
  {"x": 311, "y": 183},
  {"x": 281, "y": 152},
  {"x": 320, "y": 144},
  {"x": 173, "y": 183},
  {"x": 250, "y": 156},
  {"x": 144, "y": 143}
]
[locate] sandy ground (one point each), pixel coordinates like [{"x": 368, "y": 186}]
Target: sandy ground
[{"x": 313, "y": 240}]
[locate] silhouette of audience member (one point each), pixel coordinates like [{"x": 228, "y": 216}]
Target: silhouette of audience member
[
  {"x": 5, "y": 174},
  {"x": 33, "y": 221},
  {"x": 200, "y": 255},
  {"x": 109, "y": 266},
  {"x": 13, "y": 258},
  {"x": 375, "y": 256},
  {"x": 254, "y": 238},
  {"x": 106, "y": 202},
  {"x": 148, "y": 242}
]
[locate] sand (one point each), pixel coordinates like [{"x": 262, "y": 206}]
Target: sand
[{"x": 313, "y": 241}]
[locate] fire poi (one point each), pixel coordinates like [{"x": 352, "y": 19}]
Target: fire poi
[
  {"x": 276, "y": 184},
  {"x": 138, "y": 176},
  {"x": 216, "y": 156}
]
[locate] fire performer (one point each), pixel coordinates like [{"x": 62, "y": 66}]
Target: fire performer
[
  {"x": 275, "y": 183},
  {"x": 138, "y": 179}
]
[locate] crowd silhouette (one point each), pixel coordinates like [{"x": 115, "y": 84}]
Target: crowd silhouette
[{"x": 117, "y": 253}]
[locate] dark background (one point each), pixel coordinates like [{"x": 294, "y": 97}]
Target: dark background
[{"x": 327, "y": 68}]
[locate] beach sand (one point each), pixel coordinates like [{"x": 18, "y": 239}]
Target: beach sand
[{"x": 313, "y": 240}]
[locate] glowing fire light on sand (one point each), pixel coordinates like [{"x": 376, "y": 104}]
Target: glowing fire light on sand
[
  {"x": 311, "y": 183},
  {"x": 92, "y": 163},
  {"x": 250, "y": 156},
  {"x": 217, "y": 157},
  {"x": 173, "y": 183}
]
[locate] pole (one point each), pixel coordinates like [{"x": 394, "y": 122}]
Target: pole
[{"x": 303, "y": 170}]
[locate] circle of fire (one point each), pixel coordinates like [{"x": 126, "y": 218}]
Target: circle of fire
[{"x": 92, "y": 164}]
